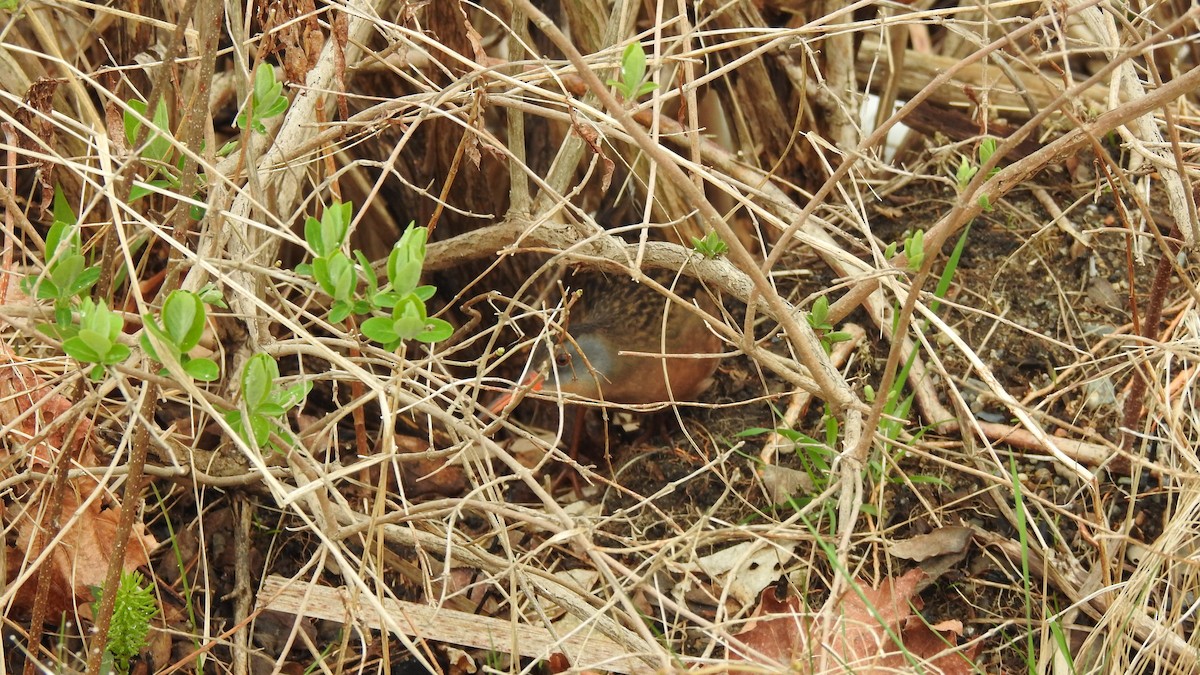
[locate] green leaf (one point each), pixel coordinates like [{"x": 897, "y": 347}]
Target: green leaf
[
  {"x": 266, "y": 100},
  {"x": 141, "y": 189},
  {"x": 343, "y": 276},
  {"x": 197, "y": 213},
  {"x": 183, "y": 319},
  {"x": 436, "y": 330},
  {"x": 271, "y": 409},
  {"x": 368, "y": 274},
  {"x": 211, "y": 295},
  {"x": 339, "y": 311},
  {"x": 96, "y": 343},
  {"x": 80, "y": 350},
  {"x": 260, "y": 428},
  {"x": 379, "y": 329},
  {"x": 150, "y": 326},
  {"x": 335, "y": 223},
  {"x": 160, "y": 147},
  {"x": 157, "y": 145},
  {"x": 258, "y": 379},
  {"x": 294, "y": 394},
  {"x": 914, "y": 250},
  {"x": 633, "y": 67},
  {"x": 276, "y": 107},
  {"x": 386, "y": 299},
  {"x": 117, "y": 353},
  {"x": 819, "y": 315},
  {"x": 320, "y": 272},
  {"x": 406, "y": 259},
  {"x": 313, "y": 235},
  {"x": 838, "y": 336},
  {"x": 202, "y": 369},
  {"x": 66, "y": 270},
  {"x": 752, "y": 431},
  {"x": 965, "y": 173},
  {"x": 264, "y": 80},
  {"x": 408, "y": 317},
  {"x": 95, "y": 317},
  {"x": 987, "y": 148},
  {"x": 83, "y": 281},
  {"x": 60, "y": 240},
  {"x": 132, "y": 123},
  {"x": 62, "y": 213},
  {"x": 45, "y": 289}
]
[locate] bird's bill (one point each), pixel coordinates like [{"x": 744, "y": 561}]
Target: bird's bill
[{"x": 533, "y": 382}]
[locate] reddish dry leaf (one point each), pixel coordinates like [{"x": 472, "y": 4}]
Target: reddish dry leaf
[
  {"x": 857, "y": 636},
  {"x": 80, "y": 560},
  {"x": 291, "y": 26},
  {"x": 777, "y": 631},
  {"x": 473, "y": 37},
  {"x": 35, "y": 133}
]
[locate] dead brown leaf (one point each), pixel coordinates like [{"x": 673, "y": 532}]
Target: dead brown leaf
[
  {"x": 938, "y": 542},
  {"x": 868, "y": 631},
  {"x": 29, "y": 407}
]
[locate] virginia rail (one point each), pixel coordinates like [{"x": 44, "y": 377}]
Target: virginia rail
[{"x": 627, "y": 344}]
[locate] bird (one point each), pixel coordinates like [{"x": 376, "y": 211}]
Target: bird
[{"x": 616, "y": 349}]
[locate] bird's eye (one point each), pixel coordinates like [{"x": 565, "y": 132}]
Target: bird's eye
[{"x": 562, "y": 359}]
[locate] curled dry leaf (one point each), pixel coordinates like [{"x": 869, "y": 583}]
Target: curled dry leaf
[
  {"x": 941, "y": 541},
  {"x": 868, "y": 632},
  {"x": 747, "y": 568},
  {"x": 85, "y": 537}
]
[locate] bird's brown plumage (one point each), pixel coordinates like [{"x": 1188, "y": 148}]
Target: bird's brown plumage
[{"x": 613, "y": 316}]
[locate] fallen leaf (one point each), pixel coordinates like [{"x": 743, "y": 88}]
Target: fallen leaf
[
  {"x": 745, "y": 569},
  {"x": 938, "y": 542},
  {"x": 28, "y": 408},
  {"x": 867, "y": 631}
]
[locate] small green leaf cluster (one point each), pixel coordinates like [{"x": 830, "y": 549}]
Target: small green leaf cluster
[
  {"x": 966, "y": 171},
  {"x": 818, "y": 319},
  {"x": 409, "y": 319},
  {"x": 710, "y": 246},
  {"x": 182, "y": 324},
  {"x": 914, "y": 250},
  {"x": 633, "y": 71},
  {"x": 157, "y": 152},
  {"x": 264, "y": 402},
  {"x": 89, "y": 331},
  {"x": 339, "y": 276},
  {"x": 68, "y": 275},
  {"x": 331, "y": 267},
  {"x": 266, "y": 101},
  {"x": 96, "y": 338},
  {"x": 134, "y": 608}
]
